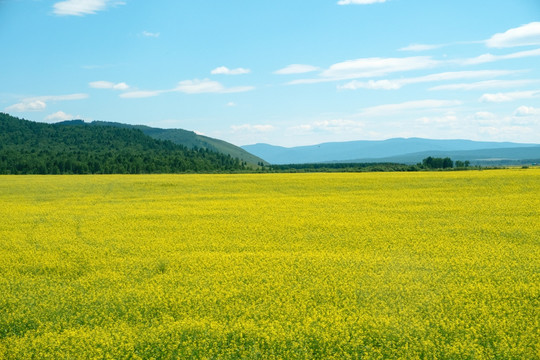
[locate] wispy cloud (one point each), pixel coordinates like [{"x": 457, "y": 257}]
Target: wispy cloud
[
  {"x": 223, "y": 70},
  {"x": 509, "y": 96},
  {"x": 296, "y": 69},
  {"x": 333, "y": 126},
  {"x": 370, "y": 67},
  {"x": 484, "y": 85},
  {"x": 445, "y": 76},
  {"x": 410, "y": 105},
  {"x": 150, "y": 34},
  {"x": 359, "y": 2},
  {"x": 257, "y": 128},
  {"x": 83, "y": 7},
  {"x": 528, "y": 34},
  {"x": 487, "y": 58},
  {"x": 420, "y": 47},
  {"x": 141, "y": 94},
  {"x": 39, "y": 103},
  {"x": 108, "y": 85},
  {"x": 196, "y": 86}
]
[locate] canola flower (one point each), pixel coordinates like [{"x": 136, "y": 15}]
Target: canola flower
[{"x": 438, "y": 265}]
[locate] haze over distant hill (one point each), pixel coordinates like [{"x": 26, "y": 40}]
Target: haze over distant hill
[{"x": 411, "y": 150}]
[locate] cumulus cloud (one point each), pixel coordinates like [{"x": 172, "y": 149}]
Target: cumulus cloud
[
  {"x": 527, "y": 111},
  {"x": 108, "y": 85},
  {"x": 59, "y": 116},
  {"x": 223, "y": 70},
  {"x": 29, "y": 105},
  {"x": 528, "y": 34},
  {"x": 83, "y": 7},
  {"x": 359, "y": 2},
  {"x": 40, "y": 103},
  {"x": 296, "y": 69},
  {"x": 509, "y": 96}
]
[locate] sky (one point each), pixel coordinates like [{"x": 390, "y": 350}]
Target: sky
[{"x": 283, "y": 72}]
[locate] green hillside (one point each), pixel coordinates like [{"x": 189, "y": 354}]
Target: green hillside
[
  {"x": 28, "y": 147},
  {"x": 186, "y": 138}
]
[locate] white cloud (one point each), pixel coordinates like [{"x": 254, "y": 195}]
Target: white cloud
[
  {"x": 359, "y": 2},
  {"x": 527, "y": 111},
  {"x": 108, "y": 85},
  {"x": 223, "y": 70},
  {"x": 59, "y": 116},
  {"x": 208, "y": 86},
  {"x": 35, "y": 105},
  {"x": 509, "y": 96},
  {"x": 371, "y": 67},
  {"x": 296, "y": 69},
  {"x": 524, "y": 35},
  {"x": 140, "y": 94},
  {"x": 231, "y": 104},
  {"x": 373, "y": 85},
  {"x": 399, "y": 83},
  {"x": 487, "y": 58},
  {"x": 150, "y": 34},
  {"x": 446, "y": 119},
  {"x": 39, "y": 103},
  {"x": 409, "y": 105},
  {"x": 334, "y": 126},
  {"x": 483, "y": 85},
  {"x": 83, "y": 7},
  {"x": 419, "y": 47},
  {"x": 252, "y": 128},
  {"x": 484, "y": 115}
]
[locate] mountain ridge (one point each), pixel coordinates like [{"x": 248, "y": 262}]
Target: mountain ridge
[{"x": 373, "y": 150}]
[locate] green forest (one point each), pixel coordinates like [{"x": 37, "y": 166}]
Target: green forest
[{"x": 28, "y": 147}]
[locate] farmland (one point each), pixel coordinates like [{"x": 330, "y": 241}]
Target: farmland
[{"x": 432, "y": 265}]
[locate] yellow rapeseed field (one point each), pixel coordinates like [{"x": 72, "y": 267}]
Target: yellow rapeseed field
[{"x": 430, "y": 265}]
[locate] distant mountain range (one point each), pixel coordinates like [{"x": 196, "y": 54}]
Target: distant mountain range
[
  {"x": 400, "y": 150},
  {"x": 182, "y": 137}
]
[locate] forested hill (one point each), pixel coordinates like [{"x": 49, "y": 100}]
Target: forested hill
[
  {"x": 183, "y": 137},
  {"x": 28, "y": 147}
]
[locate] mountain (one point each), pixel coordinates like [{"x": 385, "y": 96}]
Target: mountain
[
  {"x": 408, "y": 150},
  {"x": 28, "y": 147},
  {"x": 186, "y": 138}
]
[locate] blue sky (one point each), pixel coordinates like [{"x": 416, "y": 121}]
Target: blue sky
[{"x": 288, "y": 73}]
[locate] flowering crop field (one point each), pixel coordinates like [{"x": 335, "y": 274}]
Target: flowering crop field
[{"x": 429, "y": 265}]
